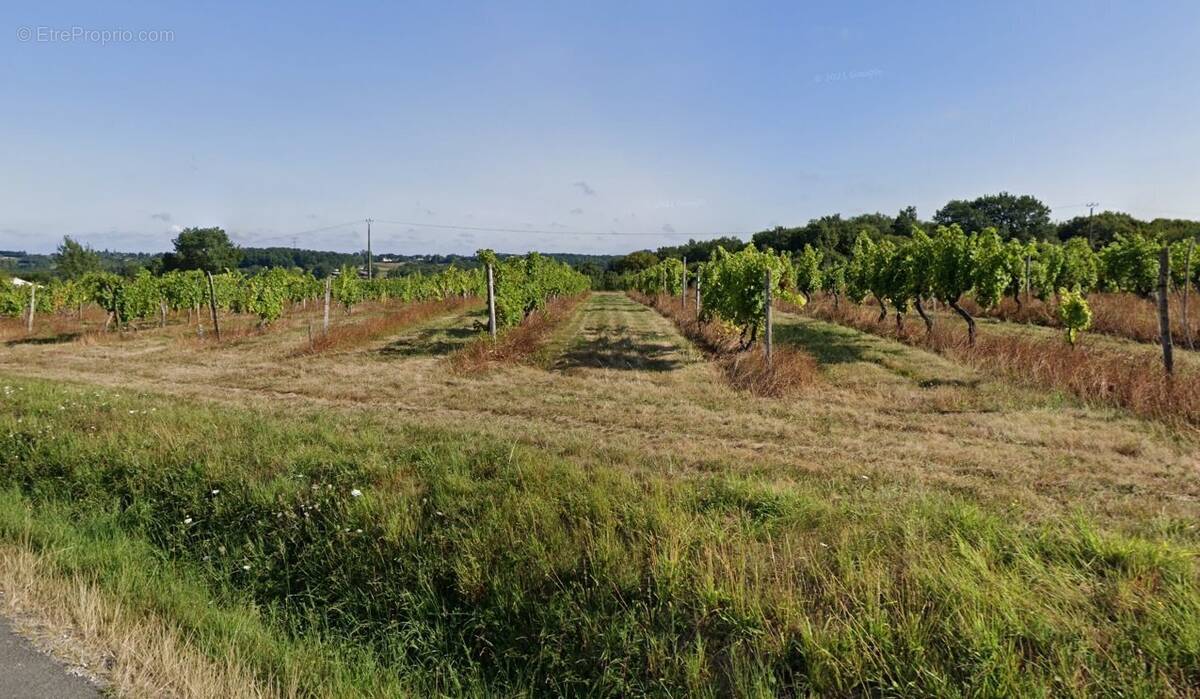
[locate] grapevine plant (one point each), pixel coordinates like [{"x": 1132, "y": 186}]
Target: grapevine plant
[
  {"x": 525, "y": 284},
  {"x": 1074, "y": 312},
  {"x": 733, "y": 285}
]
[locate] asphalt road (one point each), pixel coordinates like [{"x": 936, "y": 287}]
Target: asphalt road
[{"x": 27, "y": 673}]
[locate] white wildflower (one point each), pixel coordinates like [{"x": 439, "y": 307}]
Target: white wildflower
[{"x": 356, "y": 493}]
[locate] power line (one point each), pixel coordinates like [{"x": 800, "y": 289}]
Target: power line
[
  {"x": 308, "y": 232},
  {"x": 561, "y": 231}
]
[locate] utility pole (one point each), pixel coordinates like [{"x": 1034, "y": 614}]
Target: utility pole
[
  {"x": 369, "y": 248},
  {"x": 1091, "y": 225}
]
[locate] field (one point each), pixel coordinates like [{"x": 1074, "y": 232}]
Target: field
[{"x": 605, "y": 516}]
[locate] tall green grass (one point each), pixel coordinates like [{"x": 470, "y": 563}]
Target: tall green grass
[{"x": 466, "y": 566}]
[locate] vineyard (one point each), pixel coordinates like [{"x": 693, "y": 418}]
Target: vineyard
[
  {"x": 524, "y": 284},
  {"x": 954, "y": 268},
  {"x": 399, "y": 504},
  {"x": 265, "y": 295},
  {"x": 1134, "y": 282}
]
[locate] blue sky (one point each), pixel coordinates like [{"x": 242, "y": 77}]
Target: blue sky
[{"x": 584, "y": 127}]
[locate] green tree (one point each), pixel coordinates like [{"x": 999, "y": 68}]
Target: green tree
[
  {"x": 1022, "y": 217},
  {"x": 75, "y": 260},
  {"x": 207, "y": 249},
  {"x": 905, "y": 222},
  {"x": 634, "y": 262},
  {"x": 1100, "y": 229}
]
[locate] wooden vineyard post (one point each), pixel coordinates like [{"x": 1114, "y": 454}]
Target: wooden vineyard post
[
  {"x": 1187, "y": 285},
  {"x": 328, "y": 293},
  {"x": 683, "y": 290},
  {"x": 1164, "y": 314},
  {"x": 697, "y": 295},
  {"x": 212, "y": 306},
  {"x": 1028, "y": 281},
  {"x": 768, "y": 338},
  {"x": 491, "y": 293},
  {"x": 32, "y": 306}
]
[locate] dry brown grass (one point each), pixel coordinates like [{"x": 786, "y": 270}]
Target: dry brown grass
[
  {"x": 131, "y": 655},
  {"x": 352, "y": 335},
  {"x": 1092, "y": 373},
  {"x": 789, "y": 371},
  {"x": 517, "y": 345},
  {"x": 56, "y": 327},
  {"x": 1122, "y": 315}
]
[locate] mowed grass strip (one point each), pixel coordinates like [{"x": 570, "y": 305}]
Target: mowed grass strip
[
  {"x": 790, "y": 371},
  {"x": 1098, "y": 371},
  {"x": 350, "y": 336},
  {"x": 329, "y": 555},
  {"x": 531, "y": 342}
]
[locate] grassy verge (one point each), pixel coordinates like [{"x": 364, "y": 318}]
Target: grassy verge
[
  {"x": 331, "y": 556},
  {"x": 105, "y": 603}
]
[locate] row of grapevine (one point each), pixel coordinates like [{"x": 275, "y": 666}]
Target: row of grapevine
[
  {"x": 732, "y": 285},
  {"x": 952, "y": 264},
  {"x": 266, "y": 294},
  {"x": 524, "y": 284},
  {"x": 666, "y": 277}
]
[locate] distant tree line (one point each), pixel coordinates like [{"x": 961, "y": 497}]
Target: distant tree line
[
  {"x": 1023, "y": 218},
  {"x": 210, "y": 249}
]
